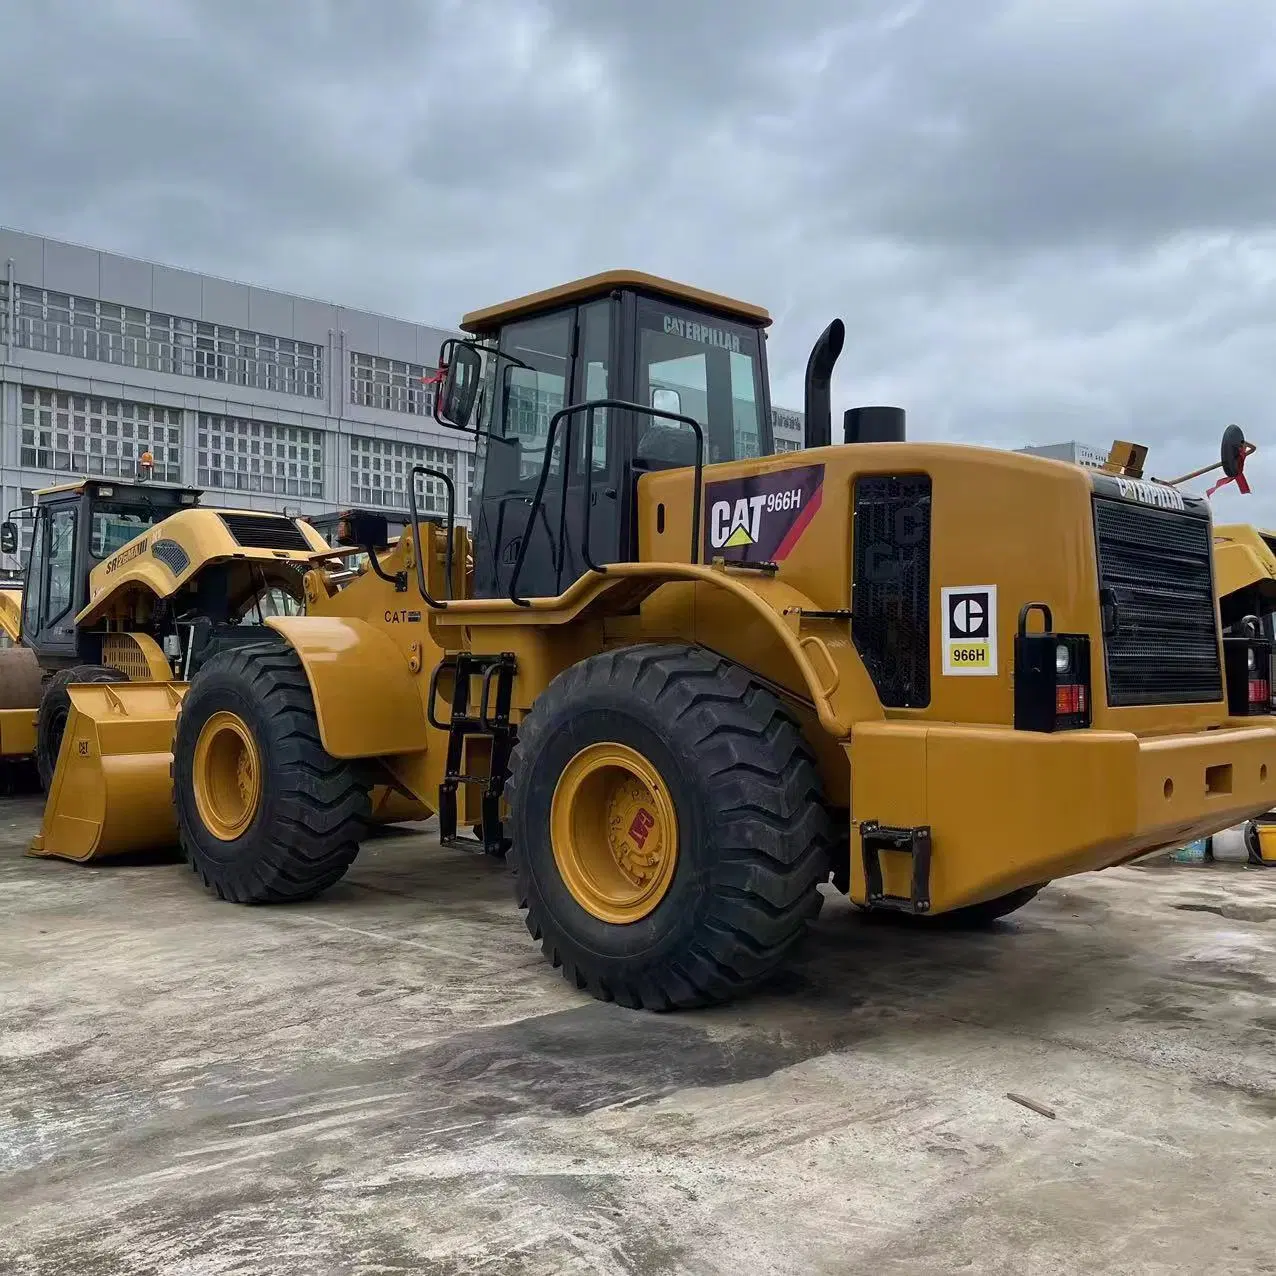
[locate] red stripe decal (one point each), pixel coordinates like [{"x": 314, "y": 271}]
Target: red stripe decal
[{"x": 800, "y": 524}]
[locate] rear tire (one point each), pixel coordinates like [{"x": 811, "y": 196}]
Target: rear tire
[
  {"x": 303, "y": 812},
  {"x": 55, "y": 707},
  {"x": 736, "y": 785}
]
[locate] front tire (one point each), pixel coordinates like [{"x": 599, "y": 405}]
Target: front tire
[
  {"x": 265, "y": 814},
  {"x": 55, "y": 708},
  {"x": 668, "y": 830}
]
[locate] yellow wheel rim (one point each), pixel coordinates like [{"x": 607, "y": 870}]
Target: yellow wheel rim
[
  {"x": 615, "y": 833},
  {"x": 227, "y": 776}
]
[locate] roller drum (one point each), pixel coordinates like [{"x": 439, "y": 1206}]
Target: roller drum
[{"x": 20, "y": 679}]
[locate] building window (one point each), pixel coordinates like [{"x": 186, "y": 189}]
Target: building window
[
  {"x": 58, "y": 323},
  {"x": 258, "y": 456},
  {"x": 26, "y": 524},
  {"x": 390, "y": 384},
  {"x": 379, "y": 470},
  {"x": 82, "y": 434}
]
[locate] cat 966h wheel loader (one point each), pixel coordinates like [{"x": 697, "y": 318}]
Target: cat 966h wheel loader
[{"x": 687, "y": 681}]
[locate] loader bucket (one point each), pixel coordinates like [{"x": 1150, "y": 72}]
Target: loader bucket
[{"x": 112, "y": 791}]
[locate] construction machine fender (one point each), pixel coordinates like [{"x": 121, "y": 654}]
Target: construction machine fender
[
  {"x": 825, "y": 668},
  {"x": 1244, "y": 571},
  {"x": 367, "y": 699}
]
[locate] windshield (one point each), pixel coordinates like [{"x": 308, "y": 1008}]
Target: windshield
[
  {"x": 703, "y": 367},
  {"x": 112, "y": 529}
]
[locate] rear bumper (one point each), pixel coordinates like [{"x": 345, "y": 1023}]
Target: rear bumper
[{"x": 1009, "y": 808}]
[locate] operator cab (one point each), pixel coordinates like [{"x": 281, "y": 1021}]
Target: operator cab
[
  {"x": 74, "y": 527},
  {"x": 621, "y": 337}
]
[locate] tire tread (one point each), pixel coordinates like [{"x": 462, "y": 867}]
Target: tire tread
[
  {"x": 771, "y": 828},
  {"x": 320, "y": 809}
]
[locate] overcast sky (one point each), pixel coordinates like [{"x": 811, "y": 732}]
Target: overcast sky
[{"x": 1040, "y": 220}]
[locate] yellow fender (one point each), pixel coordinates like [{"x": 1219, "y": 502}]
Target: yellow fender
[
  {"x": 368, "y": 701},
  {"x": 1242, "y": 558}
]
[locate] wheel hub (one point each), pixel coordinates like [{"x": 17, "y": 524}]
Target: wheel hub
[
  {"x": 227, "y": 776},
  {"x": 615, "y": 833}
]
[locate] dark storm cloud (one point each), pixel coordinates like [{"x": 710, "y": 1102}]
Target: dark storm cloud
[{"x": 1039, "y": 221}]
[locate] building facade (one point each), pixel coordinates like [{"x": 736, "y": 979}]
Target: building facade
[
  {"x": 789, "y": 428},
  {"x": 1091, "y": 458},
  {"x": 264, "y": 399}
]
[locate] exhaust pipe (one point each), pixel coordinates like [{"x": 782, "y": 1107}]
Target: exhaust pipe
[
  {"x": 873, "y": 425},
  {"x": 819, "y": 378}
]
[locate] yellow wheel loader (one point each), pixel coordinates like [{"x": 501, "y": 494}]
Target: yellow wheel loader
[{"x": 685, "y": 683}]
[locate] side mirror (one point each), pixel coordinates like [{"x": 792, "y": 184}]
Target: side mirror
[
  {"x": 459, "y": 390},
  {"x": 666, "y": 401},
  {"x": 1234, "y": 451},
  {"x": 9, "y": 540}
]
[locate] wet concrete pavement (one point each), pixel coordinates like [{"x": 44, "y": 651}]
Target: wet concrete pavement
[{"x": 391, "y": 1079}]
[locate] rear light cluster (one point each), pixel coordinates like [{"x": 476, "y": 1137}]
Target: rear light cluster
[
  {"x": 1052, "y": 676},
  {"x": 1247, "y": 665},
  {"x": 1069, "y": 700}
]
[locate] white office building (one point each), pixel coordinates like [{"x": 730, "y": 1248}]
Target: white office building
[{"x": 1092, "y": 458}]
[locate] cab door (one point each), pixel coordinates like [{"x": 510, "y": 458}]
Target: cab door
[
  {"x": 48, "y": 603},
  {"x": 563, "y": 358}
]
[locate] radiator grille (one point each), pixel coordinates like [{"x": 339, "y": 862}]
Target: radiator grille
[
  {"x": 890, "y": 594},
  {"x": 1157, "y": 583},
  {"x": 265, "y": 531}
]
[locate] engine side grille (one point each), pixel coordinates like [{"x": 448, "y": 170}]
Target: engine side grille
[
  {"x": 172, "y": 555},
  {"x": 1156, "y": 567},
  {"x": 265, "y": 531},
  {"x": 890, "y": 593}
]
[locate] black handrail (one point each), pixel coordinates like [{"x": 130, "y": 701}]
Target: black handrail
[
  {"x": 427, "y": 472},
  {"x": 590, "y": 406}
]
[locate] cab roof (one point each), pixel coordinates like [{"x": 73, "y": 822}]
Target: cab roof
[
  {"x": 101, "y": 480},
  {"x": 484, "y": 322}
]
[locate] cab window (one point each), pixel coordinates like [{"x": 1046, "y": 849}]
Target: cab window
[
  {"x": 35, "y": 574},
  {"x": 529, "y": 396},
  {"x": 112, "y": 529},
  {"x": 702, "y": 367},
  {"x": 61, "y": 560}
]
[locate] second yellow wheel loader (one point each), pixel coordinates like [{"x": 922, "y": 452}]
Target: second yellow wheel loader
[{"x": 688, "y": 682}]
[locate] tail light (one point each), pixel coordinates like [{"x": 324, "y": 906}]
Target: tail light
[
  {"x": 1247, "y": 663},
  {"x": 1052, "y": 676}
]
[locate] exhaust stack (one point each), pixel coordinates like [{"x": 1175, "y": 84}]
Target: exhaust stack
[
  {"x": 873, "y": 425},
  {"x": 819, "y": 377}
]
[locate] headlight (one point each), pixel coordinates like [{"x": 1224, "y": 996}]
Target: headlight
[{"x": 1063, "y": 661}]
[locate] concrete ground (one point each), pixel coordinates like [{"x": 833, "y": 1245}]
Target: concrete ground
[{"x": 392, "y": 1079}]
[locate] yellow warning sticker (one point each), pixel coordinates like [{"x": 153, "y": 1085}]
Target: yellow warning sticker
[{"x": 969, "y": 630}]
